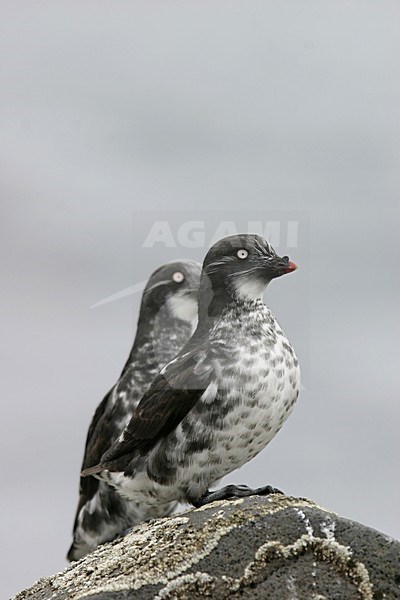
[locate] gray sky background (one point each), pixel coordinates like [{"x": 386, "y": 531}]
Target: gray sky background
[{"x": 249, "y": 107}]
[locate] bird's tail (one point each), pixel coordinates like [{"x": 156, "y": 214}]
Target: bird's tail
[
  {"x": 78, "y": 550},
  {"x": 92, "y": 470}
]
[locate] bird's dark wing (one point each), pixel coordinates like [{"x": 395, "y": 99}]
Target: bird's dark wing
[
  {"x": 97, "y": 440},
  {"x": 170, "y": 397},
  {"x": 104, "y": 428},
  {"x": 98, "y": 433}
]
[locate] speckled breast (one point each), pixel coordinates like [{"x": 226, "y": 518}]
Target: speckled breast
[{"x": 255, "y": 383}]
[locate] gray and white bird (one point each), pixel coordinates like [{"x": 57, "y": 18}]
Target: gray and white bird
[
  {"x": 167, "y": 314},
  {"x": 225, "y": 395}
]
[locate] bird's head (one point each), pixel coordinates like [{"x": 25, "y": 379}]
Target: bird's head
[
  {"x": 241, "y": 266},
  {"x": 174, "y": 285}
]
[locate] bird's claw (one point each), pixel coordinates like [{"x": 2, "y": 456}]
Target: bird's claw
[{"x": 229, "y": 492}]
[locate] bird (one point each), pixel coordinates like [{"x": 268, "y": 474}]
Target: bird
[
  {"x": 167, "y": 314},
  {"x": 224, "y": 396}
]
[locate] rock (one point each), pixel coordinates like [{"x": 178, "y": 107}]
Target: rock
[{"x": 274, "y": 547}]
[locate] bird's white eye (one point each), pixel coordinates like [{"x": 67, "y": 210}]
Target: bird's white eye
[
  {"x": 178, "y": 277},
  {"x": 242, "y": 253}
]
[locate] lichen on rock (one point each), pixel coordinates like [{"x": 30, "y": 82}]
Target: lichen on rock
[{"x": 257, "y": 547}]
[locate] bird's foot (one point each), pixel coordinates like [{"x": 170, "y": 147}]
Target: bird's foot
[{"x": 233, "y": 491}]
